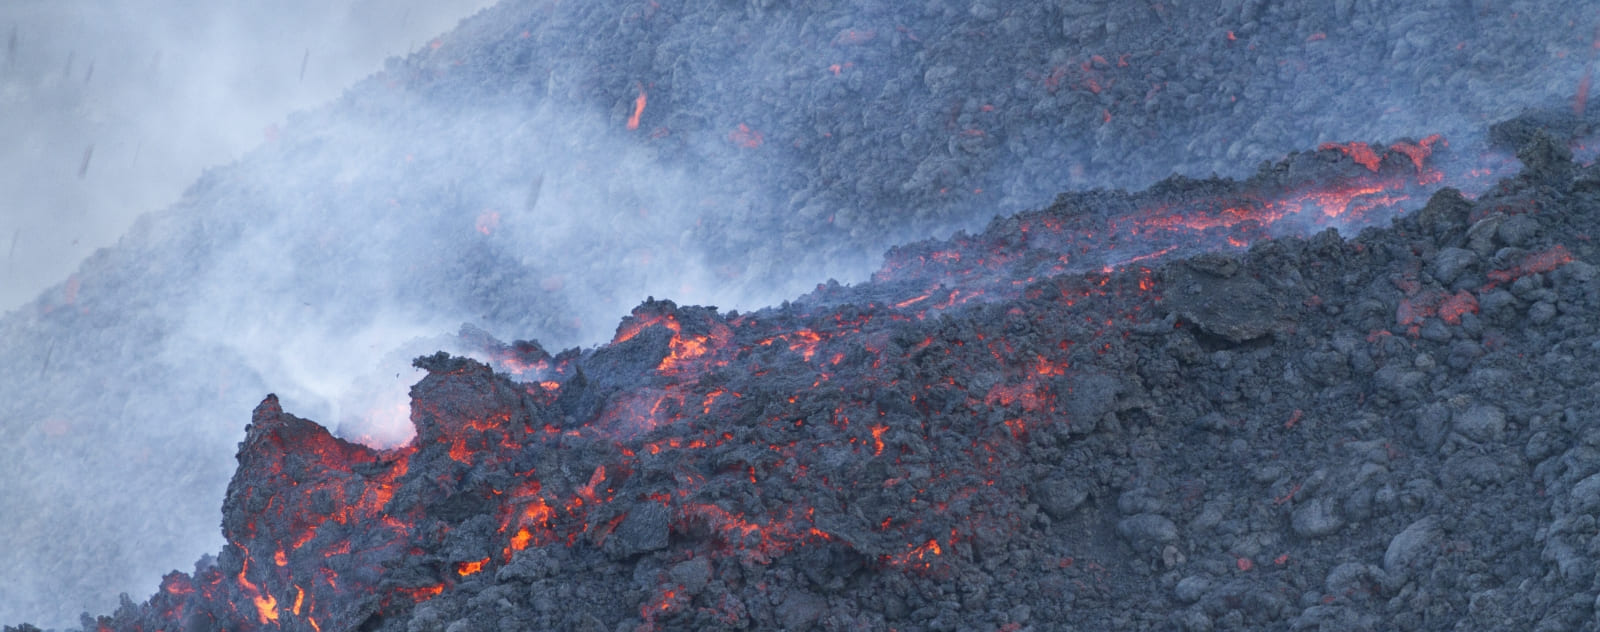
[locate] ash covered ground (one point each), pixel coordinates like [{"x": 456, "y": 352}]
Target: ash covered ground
[{"x": 544, "y": 166}]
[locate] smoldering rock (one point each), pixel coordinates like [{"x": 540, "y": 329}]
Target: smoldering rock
[{"x": 1547, "y": 159}]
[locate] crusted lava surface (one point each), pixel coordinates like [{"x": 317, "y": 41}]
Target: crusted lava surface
[{"x": 1001, "y": 431}]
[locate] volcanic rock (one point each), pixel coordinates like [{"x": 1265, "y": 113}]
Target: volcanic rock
[
  {"x": 1481, "y": 422},
  {"x": 642, "y": 530},
  {"x": 1449, "y": 263},
  {"x": 1190, "y": 589},
  {"x": 1317, "y": 518},
  {"x": 1059, "y": 497},
  {"x": 1410, "y": 548},
  {"x": 1145, "y": 530},
  {"x": 1208, "y": 294}
]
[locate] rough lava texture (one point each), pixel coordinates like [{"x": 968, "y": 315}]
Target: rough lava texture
[
  {"x": 1388, "y": 432},
  {"x": 539, "y": 169}
]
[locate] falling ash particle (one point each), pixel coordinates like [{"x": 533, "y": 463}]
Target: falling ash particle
[
  {"x": 534, "y": 190},
  {"x": 88, "y": 154}
]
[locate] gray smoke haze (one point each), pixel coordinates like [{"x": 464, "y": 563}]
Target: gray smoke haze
[
  {"x": 110, "y": 110},
  {"x": 360, "y": 231},
  {"x": 572, "y": 215}
]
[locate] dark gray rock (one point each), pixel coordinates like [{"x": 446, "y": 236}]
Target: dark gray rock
[
  {"x": 1190, "y": 589},
  {"x": 1059, "y": 497},
  {"x": 1433, "y": 424},
  {"x": 1194, "y": 621},
  {"x": 1481, "y": 236},
  {"x": 1462, "y": 354},
  {"x": 1143, "y": 530},
  {"x": 1350, "y": 579},
  {"x": 941, "y": 78},
  {"x": 1236, "y": 308},
  {"x": 1401, "y": 383},
  {"x": 692, "y": 574},
  {"x": 1586, "y": 494},
  {"x": 1317, "y": 518},
  {"x": 1411, "y": 547},
  {"x": 1518, "y": 230},
  {"x": 1448, "y": 263},
  {"x": 1089, "y": 397},
  {"x": 800, "y": 609},
  {"x": 643, "y": 530},
  {"x": 1481, "y": 422},
  {"x": 1138, "y": 501},
  {"x": 1571, "y": 562},
  {"x": 1541, "y": 312},
  {"x": 1577, "y": 272}
]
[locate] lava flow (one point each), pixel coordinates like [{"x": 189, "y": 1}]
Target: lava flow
[
  {"x": 860, "y": 424},
  {"x": 1342, "y": 186}
]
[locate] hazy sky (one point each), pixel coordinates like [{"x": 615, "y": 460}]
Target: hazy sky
[{"x": 111, "y": 108}]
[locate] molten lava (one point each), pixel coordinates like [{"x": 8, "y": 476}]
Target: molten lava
[{"x": 638, "y": 109}]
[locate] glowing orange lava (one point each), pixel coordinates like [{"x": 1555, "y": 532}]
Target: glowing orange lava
[
  {"x": 267, "y": 608},
  {"x": 467, "y": 568},
  {"x": 638, "y": 109},
  {"x": 1535, "y": 263}
]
